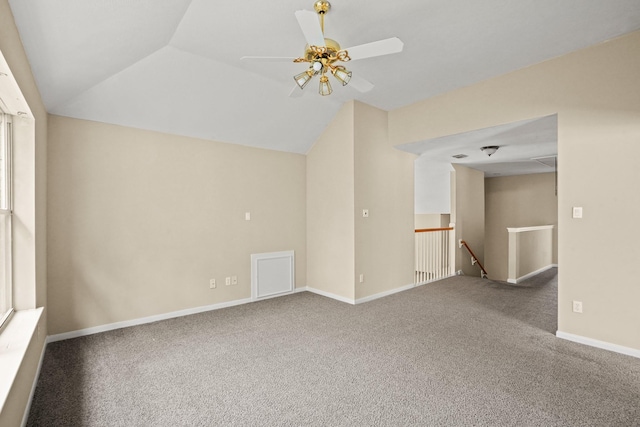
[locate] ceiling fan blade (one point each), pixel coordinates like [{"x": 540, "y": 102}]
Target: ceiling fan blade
[
  {"x": 310, "y": 26},
  {"x": 379, "y": 48},
  {"x": 360, "y": 84},
  {"x": 296, "y": 92},
  {"x": 267, "y": 58}
]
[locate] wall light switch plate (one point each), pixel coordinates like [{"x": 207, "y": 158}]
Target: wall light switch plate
[
  {"x": 212, "y": 284},
  {"x": 365, "y": 213},
  {"x": 247, "y": 216},
  {"x": 577, "y": 212}
]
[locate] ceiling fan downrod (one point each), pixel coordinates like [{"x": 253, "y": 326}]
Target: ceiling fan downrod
[{"x": 322, "y": 7}]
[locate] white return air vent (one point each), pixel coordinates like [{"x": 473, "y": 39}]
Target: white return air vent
[{"x": 272, "y": 274}]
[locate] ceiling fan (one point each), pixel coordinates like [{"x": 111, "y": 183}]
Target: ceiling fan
[{"x": 325, "y": 55}]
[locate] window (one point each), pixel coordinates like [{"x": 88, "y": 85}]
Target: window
[{"x": 6, "y": 306}]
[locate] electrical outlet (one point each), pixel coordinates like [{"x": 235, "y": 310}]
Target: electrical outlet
[
  {"x": 577, "y": 306},
  {"x": 212, "y": 283},
  {"x": 234, "y": 280},
  {"x": 227, "y": 281},
  {"x": 361, "y": 278}
]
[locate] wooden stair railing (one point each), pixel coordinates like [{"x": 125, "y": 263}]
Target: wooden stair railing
[
  {"x": 426, "y": 230},
  {"x": 474, "y": 258}
]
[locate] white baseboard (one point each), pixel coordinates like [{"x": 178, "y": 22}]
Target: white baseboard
[
  {"x": 196, "y": 310},
  {"x": 156, "y": 318},
  {"x": 363, "y": 299},
  {"x": 332, "y": 296},
  {"x": 599, "y": 344},
  {"x": 25, "y": 417},
  {"x": 385, "y": 293},
  {"x": 143, "y": 320},
  {"x": 533, "y": 273}
]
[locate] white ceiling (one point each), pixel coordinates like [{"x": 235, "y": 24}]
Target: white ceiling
[
  {"x": 525, "y": 147},
  {"x": 174, "y": 66}
]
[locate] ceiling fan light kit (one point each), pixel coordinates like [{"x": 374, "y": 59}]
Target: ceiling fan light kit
[
  {"x": 322, "y": 58},
  {"x": 322, "y": 54}
]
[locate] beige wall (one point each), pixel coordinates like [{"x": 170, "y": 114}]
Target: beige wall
[
  {"x": 516, "y": 201},
  {"x": 595, "y": 93},
  {"x": 140, "y": 221},
  {"x": 467, "y": 212},
  {"x": 530, "y": 252},
  {"x": 384, "y": 182},
  {"x": 350, "y": 168},
  {"x": 431, "y": 220},
  {"x": 30, "y": 213},
  {"x": 330, "y": 207}
]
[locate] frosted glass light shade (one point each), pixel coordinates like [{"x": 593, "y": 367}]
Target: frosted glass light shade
[
  {"x": 303, "y": 78},
  {"x": 490, "y": 149},
  {"x": 342, "y": 74},
  {"x": 325, "y": 86}
]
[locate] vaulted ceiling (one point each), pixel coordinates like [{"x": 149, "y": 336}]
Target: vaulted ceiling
[{"x": 174, "y": 66}]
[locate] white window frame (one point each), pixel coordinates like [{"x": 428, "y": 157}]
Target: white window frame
[{"x": 6, "y": 215}]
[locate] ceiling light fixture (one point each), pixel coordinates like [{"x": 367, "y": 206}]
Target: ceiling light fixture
[
  {"x": 323, "y": 58},
  {"x": 490, "y": 149}
]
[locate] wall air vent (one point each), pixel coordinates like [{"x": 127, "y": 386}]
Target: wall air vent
[{"x": 459, "y": 156}]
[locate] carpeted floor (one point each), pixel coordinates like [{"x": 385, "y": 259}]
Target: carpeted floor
[{"x": 462, "y": 351}]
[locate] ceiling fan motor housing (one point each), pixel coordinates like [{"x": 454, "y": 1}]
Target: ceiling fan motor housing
[{"x": 333, "y": 47}]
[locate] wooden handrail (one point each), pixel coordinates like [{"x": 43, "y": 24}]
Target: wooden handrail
[
  {"x": 474, "y": 258},
  {"x": 426, "y": 230}
]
